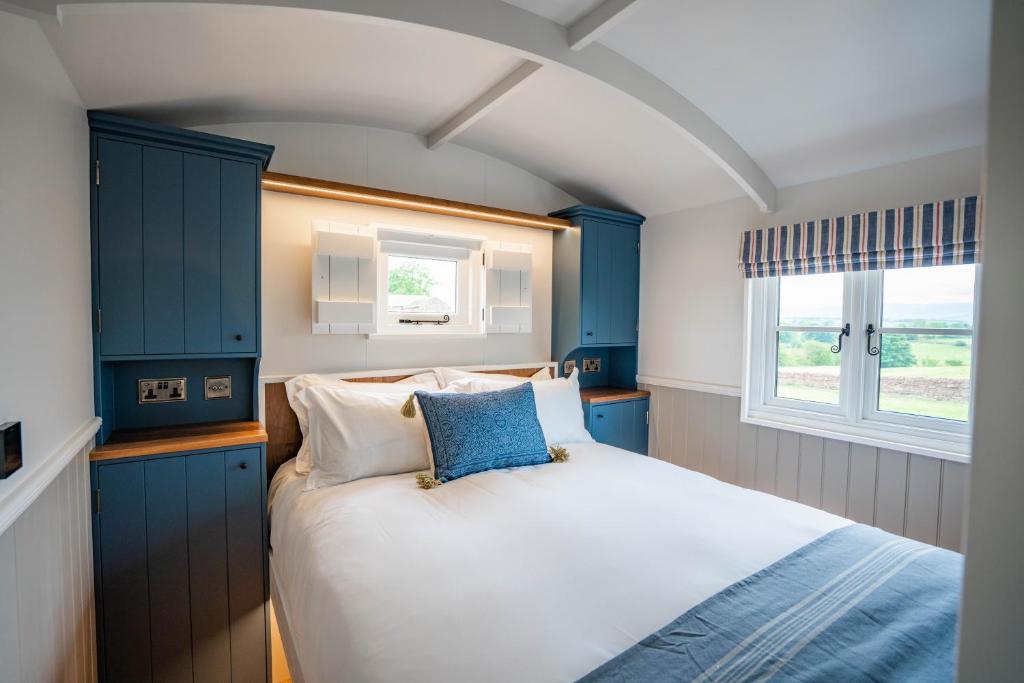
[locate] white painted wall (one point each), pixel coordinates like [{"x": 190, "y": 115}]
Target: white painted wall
[
  {"x": 46, "y": 603},
  {"x": 992, "y": 622},
  {"x": 394, "y": 161},
  {"x": 45, "y": 338},
  {"x": 691, "y": 293}
]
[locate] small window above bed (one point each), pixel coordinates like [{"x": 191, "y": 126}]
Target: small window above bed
[
  {"x": 426, "y": 283},
  {"x": 387, "y": 280}
]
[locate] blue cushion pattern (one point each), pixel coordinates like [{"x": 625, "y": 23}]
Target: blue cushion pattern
[{"x": 483, "y": 431}]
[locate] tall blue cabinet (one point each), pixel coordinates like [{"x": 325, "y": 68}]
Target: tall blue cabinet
[
  {"x": 179, "y": 487},
  {"x": 596, "y": 304}
]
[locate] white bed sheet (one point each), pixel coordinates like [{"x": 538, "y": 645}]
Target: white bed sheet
[{"x": 530, "y": 574}]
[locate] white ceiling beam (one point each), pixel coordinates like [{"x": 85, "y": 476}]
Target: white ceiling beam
[
  {"x": 479, "y": 107},
  {"x": 599, "y": 21},
  {"x": 532, "y": 37}
]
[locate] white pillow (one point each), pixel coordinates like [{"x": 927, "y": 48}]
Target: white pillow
[
  {"x": 358, "y": 434},
  {"x": 445, "y": 376},
  {"x": 425, "y": 380},
  {"x": 559, "y": 408}
]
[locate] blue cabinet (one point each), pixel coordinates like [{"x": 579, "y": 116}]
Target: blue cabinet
[
  {"x": 610, "y": 290},
  {"x": 180, "y": 562},
  {"x": 595, "y": 280},
  {"x": 176, "y": 241},
  {"x": 619, "y": 423}
]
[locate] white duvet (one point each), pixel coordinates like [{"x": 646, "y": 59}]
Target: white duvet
[{"x": 531, "y": 574}]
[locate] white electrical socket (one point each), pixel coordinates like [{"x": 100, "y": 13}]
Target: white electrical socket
[
  {"x": 591, "y": 365},
  {"x": 568, "y": 366}
]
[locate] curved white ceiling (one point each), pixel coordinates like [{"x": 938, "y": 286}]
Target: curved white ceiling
[{"x": 807, "y": 89}]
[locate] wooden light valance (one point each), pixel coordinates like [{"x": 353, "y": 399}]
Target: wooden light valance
[{"x": 329, "y": 189}]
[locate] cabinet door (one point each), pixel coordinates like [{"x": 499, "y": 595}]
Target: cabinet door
[
  {"x": 608, "y": 422},
  {"x": 119, "y": 246},
  {"x": 238, "y": 220},
  {"x": 202, "y": 254},
  {"x": 123, "y": 573},
  {"x": 244, "y": 515},
  {"x": 610, "y": 284},
  {"x": 164, "y": 306}
]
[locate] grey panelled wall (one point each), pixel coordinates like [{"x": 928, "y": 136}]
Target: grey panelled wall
[
  {"x": 913, "y": 495},
  {"x": 47, "y": 619}
]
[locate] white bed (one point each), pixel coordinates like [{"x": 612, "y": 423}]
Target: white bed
[{"x": 532, "y": 574}]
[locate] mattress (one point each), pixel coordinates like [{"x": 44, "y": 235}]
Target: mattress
[{"x": 530, "y": 574}]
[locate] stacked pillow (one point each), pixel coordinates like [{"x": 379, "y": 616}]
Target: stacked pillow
[
  {"x": 295, "y": 386},
  {"x": 354, "y": 430}
]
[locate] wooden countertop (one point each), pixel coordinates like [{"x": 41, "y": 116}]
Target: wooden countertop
[
  {"x": 128, "y": 443},
  {"x": 609, "y": 394}
]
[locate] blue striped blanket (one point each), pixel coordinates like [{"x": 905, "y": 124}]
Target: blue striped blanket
[{"x": 858, "y": 604}]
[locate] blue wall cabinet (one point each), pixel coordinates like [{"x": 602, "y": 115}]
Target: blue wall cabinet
[
  {"x": 176, "y": 268},
  {"x": 596, "y": 280},
  {"x": 620, "y": 423},
  {"x": 180, "y": 546},
  {"x": 176, "y": 240}
]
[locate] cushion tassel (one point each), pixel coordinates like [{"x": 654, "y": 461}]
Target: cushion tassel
[
  {"x": 409, "y": 407},
  {"x": 558, "y": 454},
  {"x": 425, "y": 481}
]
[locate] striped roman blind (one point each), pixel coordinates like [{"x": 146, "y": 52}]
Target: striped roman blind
[{"x": 932, "y": 234}]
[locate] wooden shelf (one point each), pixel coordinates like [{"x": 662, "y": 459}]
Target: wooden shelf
[
  {"x": 329, "y": 189},
  {"x": 609, "y": 394},
  {"x": 130, "y": 443}
]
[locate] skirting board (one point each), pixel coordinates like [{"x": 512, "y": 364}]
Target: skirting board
[{"x": 32, "y": 482}]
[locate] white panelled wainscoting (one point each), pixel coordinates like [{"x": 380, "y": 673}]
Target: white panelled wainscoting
[
  {"x": 917, "y": 496},
  {"x": 47, "y": 612}
]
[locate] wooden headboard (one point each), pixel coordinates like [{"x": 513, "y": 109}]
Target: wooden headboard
[{"x": 283, "y": 435}]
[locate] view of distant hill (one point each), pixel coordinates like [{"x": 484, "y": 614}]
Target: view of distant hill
[{"x": 959, "y": 313}]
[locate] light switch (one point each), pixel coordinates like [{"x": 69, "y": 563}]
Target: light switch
[
  {"x": 162, "y": 390},
  {"x": 218, "y": 387}
]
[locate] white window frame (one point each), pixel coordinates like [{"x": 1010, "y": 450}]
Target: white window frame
[
  {"x": 856, "y": 417},
  {"x": 467, "y": 320}
]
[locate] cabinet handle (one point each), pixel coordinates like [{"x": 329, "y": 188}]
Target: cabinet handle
[
  {"x": 243, "y": 466},
  {"x": 590, "y": 333},
  {"x": 238, "y": 337},
  {"x": 600, "y": 415}
]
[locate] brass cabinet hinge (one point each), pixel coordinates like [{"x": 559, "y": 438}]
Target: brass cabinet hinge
[
  {"x": 99, "y": 321},
  {"x": 97, "y": 171}
]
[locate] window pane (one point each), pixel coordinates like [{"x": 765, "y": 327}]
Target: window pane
[
  {"x": 940, "y": 296},
  {"x": 807, "y": 370},
  {"x": 927, "y": 375},
  {"x": 806, "y": 300},
  {"x": 422, "y": 285}
]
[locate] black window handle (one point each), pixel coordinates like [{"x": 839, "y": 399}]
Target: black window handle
[
  {"x": 870, "y": 331},
  {"x": 837, "y": 347}
]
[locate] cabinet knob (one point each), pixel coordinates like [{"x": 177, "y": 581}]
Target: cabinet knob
[
  {"x": 600, "y": 415},
  {"x": 244, "y": 466},
  {"x": 590, "y": 333},
  {"x": 238, "y": 337}
]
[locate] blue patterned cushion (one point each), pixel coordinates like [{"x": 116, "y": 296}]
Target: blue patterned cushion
[{"x": 483, "y": 431}]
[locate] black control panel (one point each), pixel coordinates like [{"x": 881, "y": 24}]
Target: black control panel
[{"x": 10, "y": 448}]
